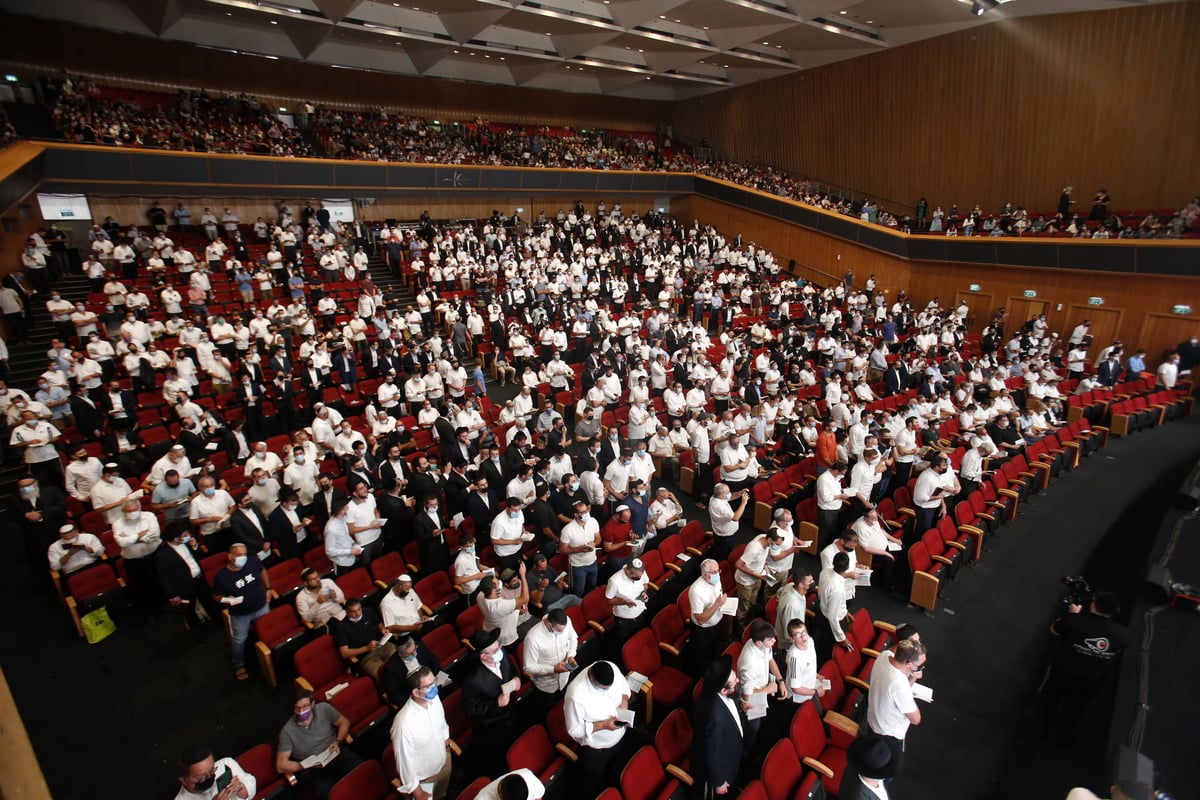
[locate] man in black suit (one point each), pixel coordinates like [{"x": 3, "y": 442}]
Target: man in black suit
[
  {"x": 124, "y": 446},
  {"x": 396, "y": 509},
  {"x": 118, "y": 403},
  {"x": 181, "y": 577},
  {"x": 517, "y": 455},
  {"x": 326, "y": 499},
  {"x": 287, "y": 524},
  {"x": 893, "y": 379},
  {"x": 490, "y": 466},
  {"x": 869, "y": 763},
  {"x": 236, "y": 442},
  {"x": 611, "y": 446},
  {"x": 410, "y": 655},
  {"x": 193, "y": 441},
  {"x": 314, "y": 385},
  {"x": 394, "y": 467},
  {"x": 494, "y": 724},
  {"x": 252, "y": 396},
  {"x": 719, "y": 722},
  {"x": 89, "y": 417},
  {"x": 430, "y": 529},
  {"x": 39, "y": 510},
  {"x": 444, "y": 428},
  {"x": 483, "y": 504},
  {"x": 285, "y": 401},
  {"x": 460, "y": 447},
  {"x": 458, "y": 488},
  {"x": 427, "y": 480},
  {"x": 249, "y": 527}
]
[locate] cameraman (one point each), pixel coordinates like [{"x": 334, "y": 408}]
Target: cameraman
[{"x": 1088, "y": 649}]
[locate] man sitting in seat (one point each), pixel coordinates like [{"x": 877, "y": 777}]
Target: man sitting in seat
[{"x": 73, "y": 550}]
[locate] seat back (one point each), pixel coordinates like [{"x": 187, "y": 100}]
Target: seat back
[
  {"x": 278, "y": 627},
  {"x": 319, "y": 663},
  {"x": 781, "y": 770},
  {"x": 643, "y": 777},
  {"x": 364, "y": 782},
  {"x": 532, "y": 750},
  {"x": 673, "y": 739},
  {"x": 640, "y": 653}
]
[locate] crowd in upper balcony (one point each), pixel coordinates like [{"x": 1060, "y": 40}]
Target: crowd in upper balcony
[{"x": 196, "y": 120}]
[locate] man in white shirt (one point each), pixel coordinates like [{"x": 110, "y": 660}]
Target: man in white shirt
[
  {"x": 706, "y": 598},
  {"x": 592, "y": 702},
  {"x": 578, "y": 540},
  {"x": 891, "y": 708},
  {"x": 801, "y": 661},
  {"x": 549, "y": 658},
  {"x": 725, "y": 519},
  {"x": 831, "y": 591},
  {"x": 520, "y": 784},
  {"x": 137, "y": 533},
  {"x": 82, "y": 473},
  {"x": 758, "y": 673},
  {"x": 400, "y": 608},
  {"x": 626, "y": 591},
  {"x": 751, "y": 569},
  {"x": 73, "y": 550},
  {"x": 319, "y": 600},
  {"x": 830, "y": 496},
  {"x": 420, "y": 740},
  {"x": 199, "y": 772},
  {"x": 504, "y": 606},
  {"x": 364, "y": 523},
  {"x": 934, "y": 486}
]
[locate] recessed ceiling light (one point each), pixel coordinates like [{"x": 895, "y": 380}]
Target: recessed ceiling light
[
  {"x": 548, "y": 33},
  {"x": 677, "y": 20},
  {"x": 705, "y": 27},
  {"x": 766, "y": 42},
  {"x": 502, "y": 58},
  {"x": 640, "y": 50},
  {"x": 870, "y": 22},
  {"x": 273, "y": 22},
  {"x": 662, "y": 16},
  {"x": 455, "y": 52},
  {"x": 228, "y": 14},
  {"x": 485, "y": 55},
  {"x": 843, "y": 13}
]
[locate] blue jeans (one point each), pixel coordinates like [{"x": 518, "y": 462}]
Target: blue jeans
[
  {"x": 583, "y": 579},
  {"x": 240, "y": 628}
]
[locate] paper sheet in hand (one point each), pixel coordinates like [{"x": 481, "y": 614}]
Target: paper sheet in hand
[
  {"x": 320, "y": 759},
  {"x": 526, "y": 537},
  {"x": 770, "y": 580},
  {"x": 922, "y": 692},
  {"x": 510, "y": 687},
  {"x": 379, "y": 523},
  {"x": 210, "y": 446},
  {"x": 729, "y": 609},
  {"x": 683, "y": 557},
  {"x": 387, "y": 637},
  {"x": 893, "y": 547},
  {"x": 233, "y": 600},
  {"x": 625, "y": 715},
  {"x": 442, "y": 679},
  {"x": 864, "y": 577},
  {"x": 803, "y": 545},
  {"x": 758, "y": 705},
  {"x": 636, "y": 681},
  {"x": 193, "y": 472}
]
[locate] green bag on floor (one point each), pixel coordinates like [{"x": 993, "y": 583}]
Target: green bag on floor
[{"x": 97, "y": 625}]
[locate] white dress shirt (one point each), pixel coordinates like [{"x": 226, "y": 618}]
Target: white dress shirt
[
  {"x": 832, "y": 594},
  {"x": 419, "y": 734},
  {"x": 621, "y": 585},
  {"x": 544, "y": 650},
  {"x": 126, "y": 530},
  {"x": 585, "y": 704}
]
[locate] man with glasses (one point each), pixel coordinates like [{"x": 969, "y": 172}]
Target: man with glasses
[
  {"x": 315, "y": 734},
  {"x": 759, "y": 674},
  {"x": 421, "y": 739},
  {"x": 891, "y": 707},
  {"x": 801, "y": 662}
]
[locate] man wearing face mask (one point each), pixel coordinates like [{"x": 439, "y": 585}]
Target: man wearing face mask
[
  {"x": 751, "y": 569},
  {"x": 490, "y": 697},
  {"x": 249, "y": 527},
  {"x": 37, "y": 437},
  {"x": 287, "y": 527},
  {"x": 210, "y": 511},
  {"x": 506, "y": 531},
  {"x": 706, "y": 597},
  {"x": 320, "y": 730},
  {"x": 72, "y": 550},
  {"x": 137, "y": 532},
  {"x": 549, "y": 659},
  {"x": 242, "y": 587},
  {"x": 579, "y": 541},
  {"x": 39, "y": 510},
  {"x": 182, "y": 580},
  {"x": 591, "y": 704},
  {"x": 421, "y": 740},
  {"x": 504, "y": 603},
  {"x": 203, "y": 777}
]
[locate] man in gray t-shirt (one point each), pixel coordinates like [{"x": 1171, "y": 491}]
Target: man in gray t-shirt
[
  {"x": 173, "y": 496},
  {"x": 314, "y": 729}
]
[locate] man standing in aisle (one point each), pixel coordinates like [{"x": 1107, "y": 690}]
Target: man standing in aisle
[
  {"x": 242, "y": 587},
  {"x": 891, "y": 708},
  {"x": 421, "y": 740}
]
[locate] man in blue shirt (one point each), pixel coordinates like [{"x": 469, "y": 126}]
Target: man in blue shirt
[
  {"x": 1137, "y": 362},
  {"x": 241, "y": 587}
]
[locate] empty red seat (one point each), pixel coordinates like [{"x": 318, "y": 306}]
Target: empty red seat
[
  {"x": 644, "y": 777},
  {"x": 278, "y": 632},
  {"x": 319, "y": 667},
  {"x": 534, "y": 751},
  {"x": 664, "y": 685},
  {"x": 361, "y": 704}
]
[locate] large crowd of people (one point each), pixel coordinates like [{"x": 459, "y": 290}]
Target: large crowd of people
[
  {"x": 194, "y": 120},
  {"x": 235, "y": 397}
]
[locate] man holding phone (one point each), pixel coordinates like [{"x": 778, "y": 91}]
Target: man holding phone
[
  {"x": 203, "y": 777},
  {"x": 934, "y": 485},
  {"x": 597, "y": 714}
]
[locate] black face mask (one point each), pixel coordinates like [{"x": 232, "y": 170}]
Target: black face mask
[{"x": 204, "y": 785}]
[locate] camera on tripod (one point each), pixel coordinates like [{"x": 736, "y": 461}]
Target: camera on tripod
[{"x": 1078, "y": 592}]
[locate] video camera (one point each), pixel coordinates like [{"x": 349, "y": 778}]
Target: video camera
[{"x": 1078, "y": 592}]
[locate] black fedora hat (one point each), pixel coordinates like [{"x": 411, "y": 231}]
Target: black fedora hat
[
  {"x": 481, "y": 639},
  {"x": 872, "y": 757}
]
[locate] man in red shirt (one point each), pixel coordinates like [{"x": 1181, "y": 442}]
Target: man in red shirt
[{"x": 617, "y": 538}]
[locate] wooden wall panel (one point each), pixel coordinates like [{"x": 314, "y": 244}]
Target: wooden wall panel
[
  {"x": 1143, "y": 301},
  {"x": 1008, "y": 111},
  {"x": 54, "y": 46}
]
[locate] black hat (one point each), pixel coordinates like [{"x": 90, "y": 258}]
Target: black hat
[
  {"x": 716, "y": 674},
  {"x": 481, "y": 639},
  {"x": 871, "y": 757}
]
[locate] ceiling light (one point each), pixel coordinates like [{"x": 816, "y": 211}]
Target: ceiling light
[
  {"x": 677, "y": 20},
  {"x": 870, "y": 22},
  {"x": 662, "y": 16},
  {"x": 766, "y": 42},
  {"x": 455, "y": 52},
  {"x": 273, "y": 22},
  {"x": 705, "y": 27},
  {"x": 502, "y": 58},
  {"x": 843, "y": 13}
]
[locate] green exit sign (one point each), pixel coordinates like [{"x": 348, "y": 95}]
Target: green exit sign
[
  {"x": 1181, "y": 309},
  {"x": 1030, "y": 293},
  {"x": 974, "y": 287},
  {"x": 1095, "y": 301}
]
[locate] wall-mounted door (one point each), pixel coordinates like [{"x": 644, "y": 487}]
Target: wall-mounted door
[
  {"x": 1105, "y": 323},
  {"x": 981, "y": 306}
]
